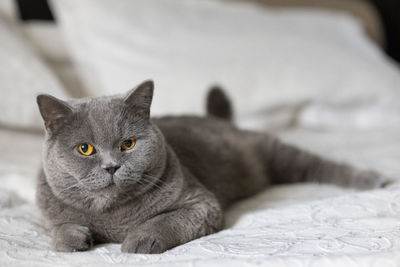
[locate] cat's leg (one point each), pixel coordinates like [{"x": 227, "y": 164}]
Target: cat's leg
[
  {"x": 71, "y": 237},
  {"x": 288, "y": 164},
  {"x": 67, "y": 226},
  {"x": 200, "y": 215}
]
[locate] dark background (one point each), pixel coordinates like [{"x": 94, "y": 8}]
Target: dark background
[
  {"x": 389, "y": 10},
  {"x": 390, "y": 13}
]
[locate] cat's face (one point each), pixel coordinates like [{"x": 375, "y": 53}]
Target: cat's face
[{"x": 102, "y": 150}]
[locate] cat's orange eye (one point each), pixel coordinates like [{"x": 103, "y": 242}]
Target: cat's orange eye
[
  {"x": 128, "y": 144},
  {"x": 86, "y": 149}
]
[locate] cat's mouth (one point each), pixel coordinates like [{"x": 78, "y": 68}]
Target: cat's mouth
[
  {"x": 110, "y": 186},
  {"x": 115, "y": 184}
]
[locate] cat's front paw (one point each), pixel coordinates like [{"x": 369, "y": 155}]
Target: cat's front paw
[
  {"x": 144, "y": 243},
  {"x": 72, "y": 237}
]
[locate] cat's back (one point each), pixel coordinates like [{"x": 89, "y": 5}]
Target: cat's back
[
  {"x": 197, "y": 134},
  {"x": 216, "y": 152},
  {"x": 194, "y": 126},
  {"x": 195, "y": 138}
]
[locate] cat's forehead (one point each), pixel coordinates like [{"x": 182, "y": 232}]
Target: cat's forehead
[
  {"x": 99, "y": 107},
  {"x": 103, "y": 117},
  {"x": 95, "y": 101}
]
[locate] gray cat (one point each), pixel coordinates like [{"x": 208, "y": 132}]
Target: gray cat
[{"x": 112, "y": 174}]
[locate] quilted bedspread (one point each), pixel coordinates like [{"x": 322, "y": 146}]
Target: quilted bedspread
[{"x": 290, "y": 225}]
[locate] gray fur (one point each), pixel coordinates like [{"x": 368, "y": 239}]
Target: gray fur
[{"x": 172, "y": 187}]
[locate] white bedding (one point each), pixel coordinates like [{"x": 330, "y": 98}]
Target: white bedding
[{"x": 293, "y": 225}]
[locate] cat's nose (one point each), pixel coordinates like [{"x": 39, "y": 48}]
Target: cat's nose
[{"x": 111, "y": 169}]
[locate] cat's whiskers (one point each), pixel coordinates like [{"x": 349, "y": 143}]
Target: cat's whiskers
[
  {"x": 69, "y": 187},
  {"x": 145, "y": 181},
  {"x": 158, "y": 179},
  {"x": 153, "y": 181}
]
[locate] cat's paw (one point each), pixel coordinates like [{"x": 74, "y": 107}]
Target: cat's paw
[
  {"x": 371, "y": 180},
  {"x": 71, "y": 238},
  {"x": 381, "y": 181},
  {"x": 387, "y": 182},
  {"x": 144, "y": 243}
]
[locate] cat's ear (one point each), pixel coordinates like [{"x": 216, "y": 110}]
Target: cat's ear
[
  {"x": 140, "y": 98},
  {"x": 54, "y": 111}
]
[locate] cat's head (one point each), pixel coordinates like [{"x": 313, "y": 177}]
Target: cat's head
[{"x": 101, "y": 150}]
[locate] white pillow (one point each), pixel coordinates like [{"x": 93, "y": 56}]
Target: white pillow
[
  {"x": 8, "y": 10},
  {"x": 23, "y": 75},
  {"x": 266, "y": 59}
]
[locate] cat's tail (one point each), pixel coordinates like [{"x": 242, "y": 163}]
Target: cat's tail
[
  {"x": 218, "y": 104},
  {"x": 288, "y": 164}
]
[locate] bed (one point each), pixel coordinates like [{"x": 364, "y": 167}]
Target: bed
[{"x": 338, "y": 98}]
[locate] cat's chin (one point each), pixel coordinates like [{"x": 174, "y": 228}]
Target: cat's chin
[
  {"x": 102, "y": 202},
  {"x": 105, "y": 198}
]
